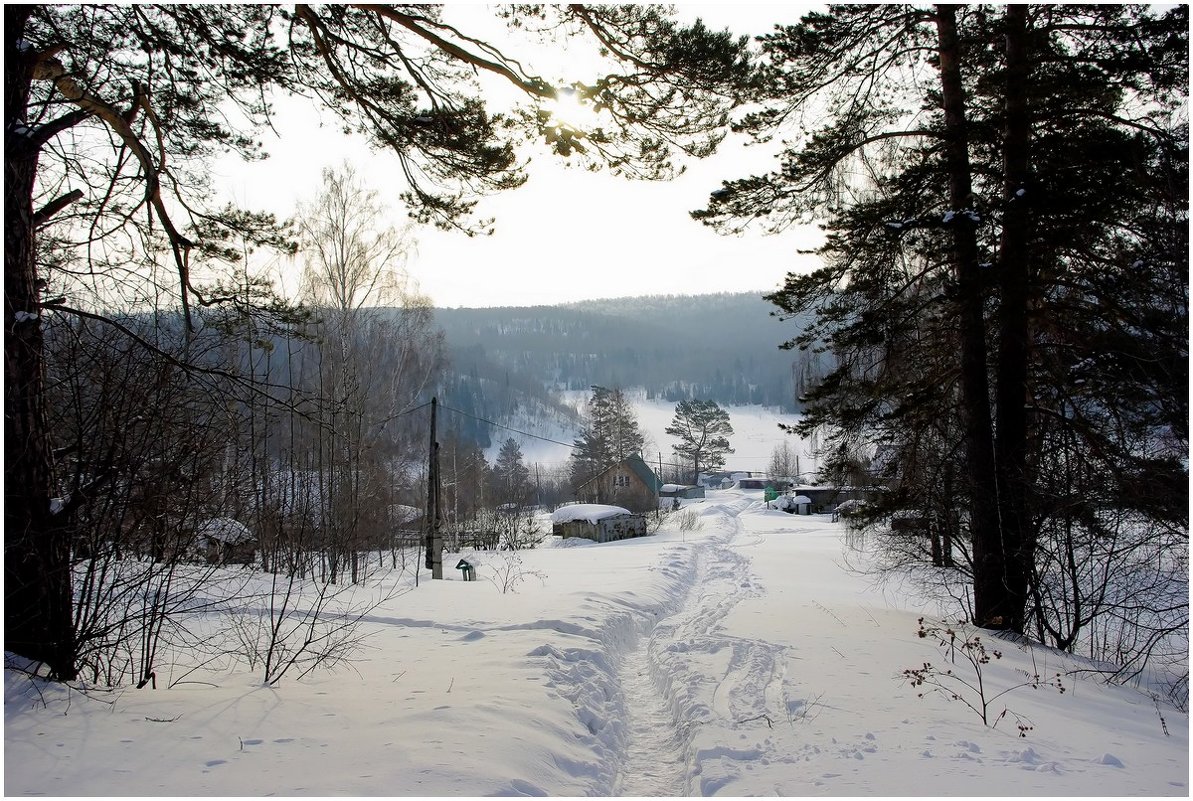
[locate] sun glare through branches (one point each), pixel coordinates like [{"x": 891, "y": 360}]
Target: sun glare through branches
[{"x": 568, "y": 120}]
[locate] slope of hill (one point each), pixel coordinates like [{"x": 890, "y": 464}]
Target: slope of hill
[{"x": 719, "y": 347}]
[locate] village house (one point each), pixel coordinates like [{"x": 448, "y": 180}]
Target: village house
[
  {"x": 630, "y": 484},
  {"x": 224, "y": 541}
]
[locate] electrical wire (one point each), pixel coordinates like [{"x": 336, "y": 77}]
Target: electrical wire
[{"x": 507, "y": 428}]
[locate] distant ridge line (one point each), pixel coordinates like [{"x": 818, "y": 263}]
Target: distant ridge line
[{"x": 579, "y": 304}]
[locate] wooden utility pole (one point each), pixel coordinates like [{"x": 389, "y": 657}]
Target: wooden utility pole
[
  {"x": 437, "y": 521},
  {"x": 434, "y": 540}
]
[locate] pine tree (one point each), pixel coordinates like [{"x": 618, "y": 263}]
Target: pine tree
[
  {"x": 1003, "y": 189},
  {"x": 610, "y": 435},
  {"x": 702, "y": 427},
  {"x": 511, "y": 477}
]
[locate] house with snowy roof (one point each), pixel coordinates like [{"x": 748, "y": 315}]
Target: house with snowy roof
[
  {"x": 630, "y": 483},
  {"x": 223, "y": 540}
]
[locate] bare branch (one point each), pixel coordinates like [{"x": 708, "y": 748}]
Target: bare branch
[
  {"x": 56, "y": 205},
  {"x": 51, "y": 69}
]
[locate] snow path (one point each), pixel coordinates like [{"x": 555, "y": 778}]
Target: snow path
[
  {"x": 688, "y": 672},
  {"x": 654, "y": 763}
]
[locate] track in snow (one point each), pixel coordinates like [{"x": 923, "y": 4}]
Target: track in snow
[
  {"x": 655, "y": 763},
  {"x": 657, "y": 759}
]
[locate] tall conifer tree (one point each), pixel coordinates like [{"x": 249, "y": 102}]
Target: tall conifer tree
[
  {"x": 611, "y": 434},
  {"x": 1004, "y": 191}
]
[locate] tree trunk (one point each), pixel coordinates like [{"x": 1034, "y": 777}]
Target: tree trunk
[
  {"x": 1010, "y": 445},
  {"x": 950, "y": 521},
  {"x": 935, "y": 543},
  {"x": 37, "y": 594},
  {"x": 993, "y": 607}
]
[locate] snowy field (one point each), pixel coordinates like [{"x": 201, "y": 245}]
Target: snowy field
[
  {"x": 742, "y": 658},
  {"x": 755, "y": 435}
]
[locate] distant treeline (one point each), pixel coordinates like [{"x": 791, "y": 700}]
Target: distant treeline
[
  {"x": 721, "y": 347},
  {"x": 505, "y": 364}
]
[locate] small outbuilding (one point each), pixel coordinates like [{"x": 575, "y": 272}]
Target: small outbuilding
[
  {"x": 223, "y": 540},
  {"x": 682, "y": 491},
  {"x": 597, "y": 522}
]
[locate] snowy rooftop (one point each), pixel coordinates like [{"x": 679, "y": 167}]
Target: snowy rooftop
[
  {"x": 224, "y": 529},
  {"x": 592, "y": 512}
]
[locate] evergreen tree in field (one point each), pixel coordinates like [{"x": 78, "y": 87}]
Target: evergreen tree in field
[
  {"x": 703, "y": 429},
  {"x": 611, "y": 434},
  {"x": 511, "y": 477},
  {"x": 1004, "y": 290},
  {"x": 113, "y": 114}
]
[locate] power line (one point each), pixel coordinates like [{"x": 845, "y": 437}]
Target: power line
[
  {"x": 403, "y": 413},
  {"x": 507, "y": 428}
]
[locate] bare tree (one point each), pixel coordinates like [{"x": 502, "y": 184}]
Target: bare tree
[
  {"x": 353, "y": 258},
  {"x": 114, "y": 112},
  {"x": 375, "y": 360},
  {"x": 143, "y": 478},
  {"x": 784, "y": 461}
]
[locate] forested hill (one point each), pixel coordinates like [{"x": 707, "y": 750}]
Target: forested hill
[{"x": 721, "y": 347}]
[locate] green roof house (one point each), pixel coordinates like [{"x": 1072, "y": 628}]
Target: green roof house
[{"x": 630, "y": 484}]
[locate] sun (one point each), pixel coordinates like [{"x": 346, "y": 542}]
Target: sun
[
  {"x": 570, "y": 110},
  {"x": 568, "y": 119}
]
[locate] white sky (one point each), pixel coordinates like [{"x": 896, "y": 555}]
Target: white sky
[{"x": 566, "y": 235}]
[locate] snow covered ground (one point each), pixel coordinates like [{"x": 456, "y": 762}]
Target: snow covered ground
[{"x": 742, "y": 658}]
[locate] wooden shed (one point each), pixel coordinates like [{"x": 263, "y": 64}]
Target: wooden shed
[{"x": 597, "y": 522}]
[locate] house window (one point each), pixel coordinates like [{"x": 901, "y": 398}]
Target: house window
[{"x": 621, "y": 480}]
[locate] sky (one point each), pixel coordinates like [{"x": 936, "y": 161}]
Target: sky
[
  {"x": 567, "y": 234},
  {"x": 745, "y": 652}
]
